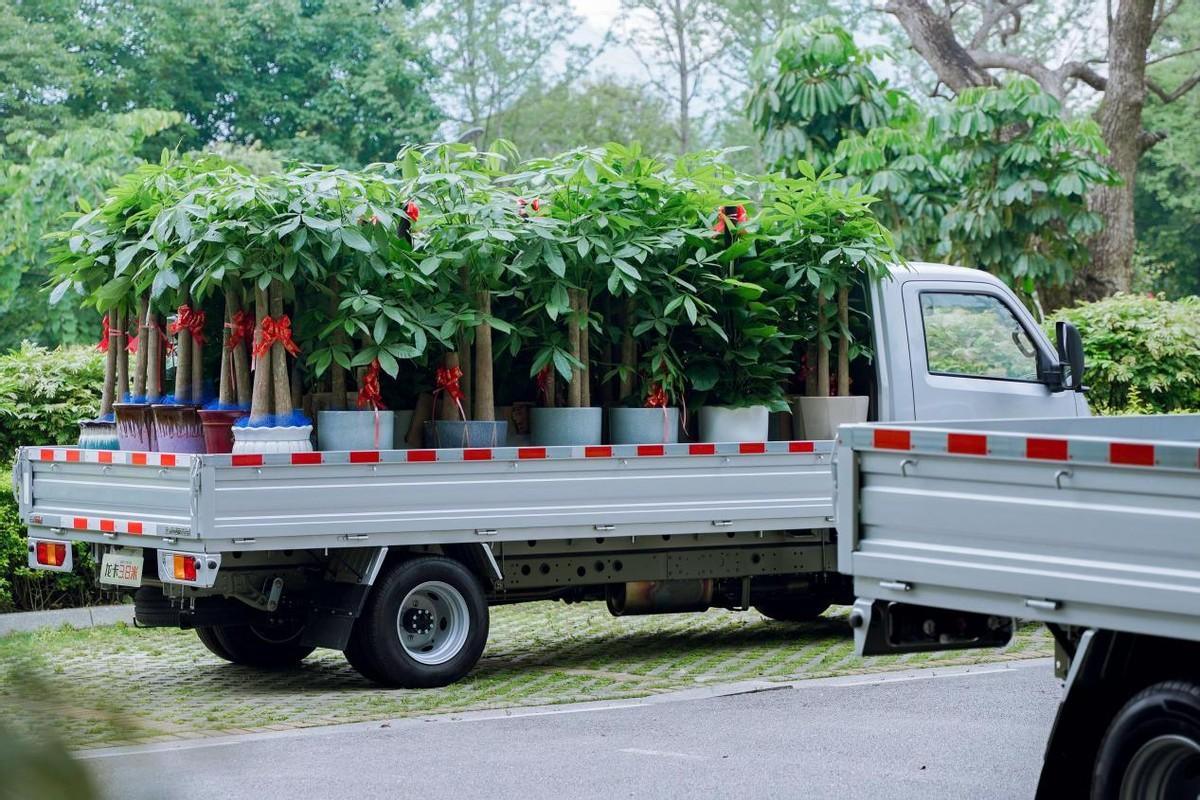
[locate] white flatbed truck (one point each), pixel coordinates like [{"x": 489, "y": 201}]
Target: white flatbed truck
[
  {"x": 1091, "y": 526},
  {"x": 394, "y": 557}
]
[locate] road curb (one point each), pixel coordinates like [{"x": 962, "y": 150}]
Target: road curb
[{"x": 90, "y": 617}]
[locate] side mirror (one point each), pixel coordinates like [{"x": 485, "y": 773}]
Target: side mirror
[{"x": 1070, "y": 353}]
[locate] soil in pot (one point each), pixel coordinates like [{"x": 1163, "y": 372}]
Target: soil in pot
[
  {"x": 177, "y": 429},
  {"x": 218, "y": 428},
  {"x": 98, "y": 434},
  {"x": 819, "y": 417},
  {"x": 643, "y": 425},
  {"x": 471, "y": 433},
  {"x": 135, "y": 426},
  {"x": 355, "y": 430},
  {"x": 550, "y": 427},
  {"x": 725, "y": 424}
]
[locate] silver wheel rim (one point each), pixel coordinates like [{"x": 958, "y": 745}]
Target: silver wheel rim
[
  {"x": 1165, "y": 767},
  {"x": 433, "y": 622}
]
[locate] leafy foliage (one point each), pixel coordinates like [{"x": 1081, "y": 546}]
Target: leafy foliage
[
  {"x": 1141, "y": 352},
  {"x": 43, "y": 395}
]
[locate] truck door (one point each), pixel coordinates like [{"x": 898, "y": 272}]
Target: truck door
[{"x": 974, "y": 354}]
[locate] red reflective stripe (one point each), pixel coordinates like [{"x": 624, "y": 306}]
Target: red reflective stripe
[
  {"x": 531, "y": 452},
  {"x": 104, "y": 456},
  {"x": 246, "y": 460},
  {"x": 73, "y": 456},
  {"x": 600, "y": 451},
  {"x": 140, "y": 459},
  {"x": 47, "y": 455},
  {"x": 422, "y": 455},
  {"x": 750, "y": 448},
  {"x": 135, "y": 528},
  {"x": 300, "y": 459},
  {"x": 364, "y": 457},
  {"x": 477, "y": 454},
  {"x": 650, "y": 450},
  {"x": 891, "y": 439},
  {"x": 1046, "y": 449},
  {"x": 967, "y": 444},
  {"x": 108, "y": 525},
  {"x": 702, "y": 449},
  {"x": 801, "y": 447},
  {"x": 166, "y": 460},
  {"x": 80, "y": 523},
  {"x": 1139, "y": 455}
]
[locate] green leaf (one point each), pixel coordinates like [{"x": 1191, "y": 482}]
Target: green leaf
[
  {"x": 554, "y": 259},
  {"x": 355, "y": 240}
]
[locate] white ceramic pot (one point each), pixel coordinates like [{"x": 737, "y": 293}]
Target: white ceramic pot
[
  {"x": 724, "y": 424},
  {"x": 819, "y": 417},
  {"x": 284, "y": 439}
]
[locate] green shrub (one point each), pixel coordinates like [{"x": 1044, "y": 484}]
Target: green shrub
[
  {"x": 43, "y": 395},
  {"x": 1143, "y": 352}
]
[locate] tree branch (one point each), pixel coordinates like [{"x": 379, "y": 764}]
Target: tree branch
[
  {"x": 1180, "y": 90},
  {"x": 933, "y": 37},
  {"x": 1176, "y": 54},
  {"x": 1050, "y": 80}
]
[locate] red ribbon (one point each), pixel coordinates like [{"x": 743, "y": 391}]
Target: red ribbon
[
  {"x": 739, "y": 218},
  {"x": 105, "y": 332},
  {"x": 368, "y": 392},
  {"x": 543, "y": 382},
  {"x": 447, "y": 381},
  {"x": 241, "y": 329},
  {"x": 657, "y": 398},
  {"x": 132, "y": 345},
  {"x": 276, "y": 330},
  {"x": 411, "y": 211},
  {"x": 190, "y": 321}
]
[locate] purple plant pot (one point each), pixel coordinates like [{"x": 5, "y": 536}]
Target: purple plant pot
[
  {"x": 135, "y": 427},
  {"x": 178, "y": 429}
]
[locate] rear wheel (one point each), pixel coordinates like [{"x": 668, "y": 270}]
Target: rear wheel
[
  {"x": 208, "y": 637},
  {"x": 425, "y": 624},
  {"x": 260, "y": 645},
  {"x": 793, "y": 607},
  {"x": 1152, "y": 748}
]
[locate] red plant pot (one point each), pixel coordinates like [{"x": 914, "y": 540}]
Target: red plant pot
[{"x": 218, "y": 429}]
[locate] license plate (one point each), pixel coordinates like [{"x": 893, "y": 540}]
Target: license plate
[{"x": 121, "y": 570}]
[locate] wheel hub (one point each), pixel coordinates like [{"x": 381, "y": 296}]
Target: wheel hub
[
  {"x": 417, "y": 620},
  {"x": 433, "y": 622}
]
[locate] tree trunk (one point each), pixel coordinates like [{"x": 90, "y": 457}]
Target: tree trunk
[
  {"x": 628, "y": 353},
  {"x": 810, "y": 369},
  {"x": 141, "y": 360},
  {"x": 197, "y": 368},
  {"x": 585, "y": 354},
  {"x": 260, "y": 400},
  {"x": 122, "y": 390},
  {"x": 485, "y": 390},
  {"x": 933, "y": 37},
  {"x": 225, "y": 395},
  {"x": 281, "y": 385},
  {"x": 843, "y": 348},
  {"x": 110, "y": 370},
  {"x": 822, "y": 349},
  {"x": 463, "y": 341},
  {"x": 154, "y": 362},
  {"x": 241, "y": 357},
  {"x": 574, "y": 395},
  {"x": 337, "y": 373},
  {"x": 183, "y": 361},
  {"x": 448, "y": 409},
  {"x": 685, "y": 122},
  {"x": 1120, "y": 117}
]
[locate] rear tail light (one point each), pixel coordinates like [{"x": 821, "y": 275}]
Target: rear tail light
[
  {"x": 50, "y": 554},
  {"x": 185, "y": 568}
]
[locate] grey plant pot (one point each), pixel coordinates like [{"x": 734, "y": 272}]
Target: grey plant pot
[
  {"x": 401, "y": 422},
  {"x": 549, "y": 427},
  {"x": 354, "y": 430},
  {"x": 643, "y": 425},
  {"x": 471, "y": 433},
  {"x": 724, "y": 424},
  {"x": 819, "y": 417}
]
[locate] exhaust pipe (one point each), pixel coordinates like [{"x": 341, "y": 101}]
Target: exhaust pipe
[{"x": 659, "y": 597}]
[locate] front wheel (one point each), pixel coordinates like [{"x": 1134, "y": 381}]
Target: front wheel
[
  {"x": 425, "y": 625},
  {"x": 1152, "y": 748}
]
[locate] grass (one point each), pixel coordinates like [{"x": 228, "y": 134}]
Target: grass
[{"x": 117, "y": 685}]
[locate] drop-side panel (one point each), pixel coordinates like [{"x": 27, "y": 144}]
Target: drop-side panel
[
  {"x": 1000, "y": 528},
  {"x": 513, "y": 500}
]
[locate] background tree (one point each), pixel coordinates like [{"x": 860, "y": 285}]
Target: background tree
[{"x": 966, "y": 58}]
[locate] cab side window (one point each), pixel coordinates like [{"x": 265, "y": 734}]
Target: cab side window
[{"x": 976, "y": 336}]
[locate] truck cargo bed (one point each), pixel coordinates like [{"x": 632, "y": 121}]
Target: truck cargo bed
[{"x": 1092, "y": 522}]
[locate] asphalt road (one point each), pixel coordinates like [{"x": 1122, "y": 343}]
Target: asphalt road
[{"x": 947, "y": 733}]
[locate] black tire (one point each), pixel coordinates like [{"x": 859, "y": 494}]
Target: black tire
[
  {"x": 152, "y": 609},
  {"x": 208, "y": 637},
  {"x": 1152, "y": 747},
  {"x": 262, "y": 646},
  {"x": 793, "y": 607},
  {"x": 375, "y": 648}
]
